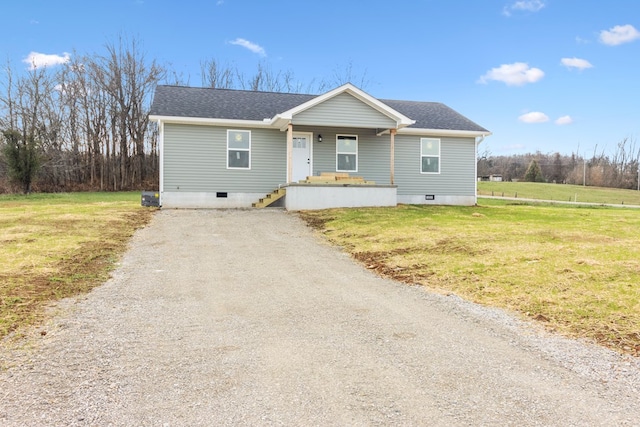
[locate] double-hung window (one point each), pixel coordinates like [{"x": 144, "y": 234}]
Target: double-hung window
[
  {"x": 347, "y": 153},
  {"x": 429, "y": 155},
  {"x": 238, "y": 149}
]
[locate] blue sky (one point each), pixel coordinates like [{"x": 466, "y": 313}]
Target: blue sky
[{"x": 547, "y": 75}]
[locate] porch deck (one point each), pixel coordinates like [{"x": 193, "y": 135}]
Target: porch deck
[{"x": 331, "y": 190}]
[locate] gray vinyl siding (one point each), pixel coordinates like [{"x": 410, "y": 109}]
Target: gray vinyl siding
[
  {"x": 457, "y": 168},
  {"x": 373, "y": 152},
  {"x": 343, "y": 110},
  {"x": 195, "y": 160}
]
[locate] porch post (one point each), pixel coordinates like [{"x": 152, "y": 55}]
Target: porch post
[
  {"x": 393, "y": 155},
  {"x": 289, "y": 153}
]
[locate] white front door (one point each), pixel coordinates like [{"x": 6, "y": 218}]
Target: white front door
[{"x": 301, "y": 155}]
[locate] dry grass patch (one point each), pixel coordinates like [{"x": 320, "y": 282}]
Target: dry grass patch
[
  {"x": 56, "y": 246},
  {"x": 573, "y": 268}
]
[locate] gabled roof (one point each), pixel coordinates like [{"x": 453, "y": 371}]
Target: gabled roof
[
  {"x": 400, "y": 119},
  {"x": 268, "y": 107}
]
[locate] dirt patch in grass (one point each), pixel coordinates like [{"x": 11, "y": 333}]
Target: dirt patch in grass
[
  {"x": 380, "y": 263},
  {"x": 59, "y": 251},
  {"x": 316, "y": 220}
]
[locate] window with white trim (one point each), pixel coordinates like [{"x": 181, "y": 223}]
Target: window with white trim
[
  {"x": 429, "y": 155},
  {"x": 346, "y": 153},
  {"x": 238, "y": 149}
]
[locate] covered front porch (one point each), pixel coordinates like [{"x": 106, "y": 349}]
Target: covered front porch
[{"x": 340, "y": 152}]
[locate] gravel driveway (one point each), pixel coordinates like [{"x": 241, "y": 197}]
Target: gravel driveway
[{"x": 244, "y": 317}]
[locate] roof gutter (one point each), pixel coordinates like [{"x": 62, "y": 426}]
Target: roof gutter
[
  {"x": 281, "y": 122},
  {"x": 209, "y": 121},
  {"x": 444, "y": 132}
]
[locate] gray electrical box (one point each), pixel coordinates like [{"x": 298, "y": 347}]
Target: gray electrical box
[{"x": 151, "y": 198}]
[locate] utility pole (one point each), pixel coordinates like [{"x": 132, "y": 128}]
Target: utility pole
[{"x": 584, "y": 174}]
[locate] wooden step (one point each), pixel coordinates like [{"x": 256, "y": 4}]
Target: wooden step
[
  {"x": 335, "y": 174},
  {"x": 270, "y": 198}
]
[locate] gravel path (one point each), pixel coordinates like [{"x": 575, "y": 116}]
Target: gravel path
[{"x": 245, "y": 318}]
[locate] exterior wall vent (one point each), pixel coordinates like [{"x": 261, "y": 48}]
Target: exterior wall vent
[{"x": 222, "y": 195}]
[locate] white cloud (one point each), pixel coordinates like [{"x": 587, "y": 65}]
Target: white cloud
[
  {"x": 523, "y": 6},
  {"x": 580, "y": 40},
  {"x": 249, "y": 45},
  {"x": 534, "y": 117},
  {"x": 564, "y": 120},
  {"x": 39, "y": 60},
  {"x": 516, "y": 74},
  {"x": 580, "y": 64},
  {"x": 619, "y": 34}
]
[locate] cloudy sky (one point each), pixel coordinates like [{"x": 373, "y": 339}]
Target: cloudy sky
[{"x": 548, "y": 75}]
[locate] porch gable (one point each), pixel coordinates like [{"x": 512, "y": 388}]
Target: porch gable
[{"x": 344, "y": 110}]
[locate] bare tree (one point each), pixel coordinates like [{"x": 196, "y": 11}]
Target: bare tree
[
  {"x": 125, "y": 76},
  {"x": 213, "y": 75},
  {"x": 347, "y": 75}
]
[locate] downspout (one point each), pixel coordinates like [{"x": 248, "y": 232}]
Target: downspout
[
  {"x": 161, "y": 160},
  {"x": 475, "y": 175},
  {"x": 289, "y": 153},
  {"x": 392, "y": 157}
]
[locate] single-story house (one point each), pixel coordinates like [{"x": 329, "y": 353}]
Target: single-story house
[{"x": 223, "y": 148}]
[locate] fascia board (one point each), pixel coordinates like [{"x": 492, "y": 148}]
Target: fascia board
[
  {"x": 443, "y": 132},
  {"x": 212, "y": 122}
]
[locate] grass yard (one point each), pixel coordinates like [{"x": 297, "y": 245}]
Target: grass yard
[
  {"x": 559, "y": 192},
  {"x": 574, "y": 268},
  {"x": 57, "y": 245}
]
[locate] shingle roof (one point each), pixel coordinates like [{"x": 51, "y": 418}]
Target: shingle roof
[
  {"x": 180, "y": 101},
  {"x": 433, "y": 115}
]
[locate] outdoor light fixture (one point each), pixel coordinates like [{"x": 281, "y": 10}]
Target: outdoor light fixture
[{"x": 319, "y": 138}]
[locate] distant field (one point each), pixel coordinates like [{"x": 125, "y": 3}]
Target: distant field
[
  {"x": 56, "y": 245},
  {"x": 574, "y": 268},
  {"x": 559, "y": 192}
]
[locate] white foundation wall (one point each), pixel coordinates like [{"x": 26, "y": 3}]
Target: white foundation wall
[
  {"x": 309, "y": 197},
  {"x": 437, "y": 200},
  {"x": 203, "y": 200}
]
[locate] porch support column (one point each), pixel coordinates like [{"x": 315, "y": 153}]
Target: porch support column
[
  {"x": 289, "y": 153},
  {"x": 392, "y": 155}
]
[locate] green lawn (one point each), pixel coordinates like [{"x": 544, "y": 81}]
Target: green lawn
[
  {"x": 559, "y": 192},
  {"x": 57, "y": 245},
  {"x": 574, "y": 268}
]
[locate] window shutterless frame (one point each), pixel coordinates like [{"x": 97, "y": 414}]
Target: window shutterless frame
[
  {"x": 430, "y": 155},
  {"x": 346, "y": 153},
  {"x": 238, "y": 149}
]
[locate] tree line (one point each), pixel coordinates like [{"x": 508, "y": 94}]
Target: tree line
[
  {"x": 617, "y": 170},
  {"x": 84, "y": 125}
]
